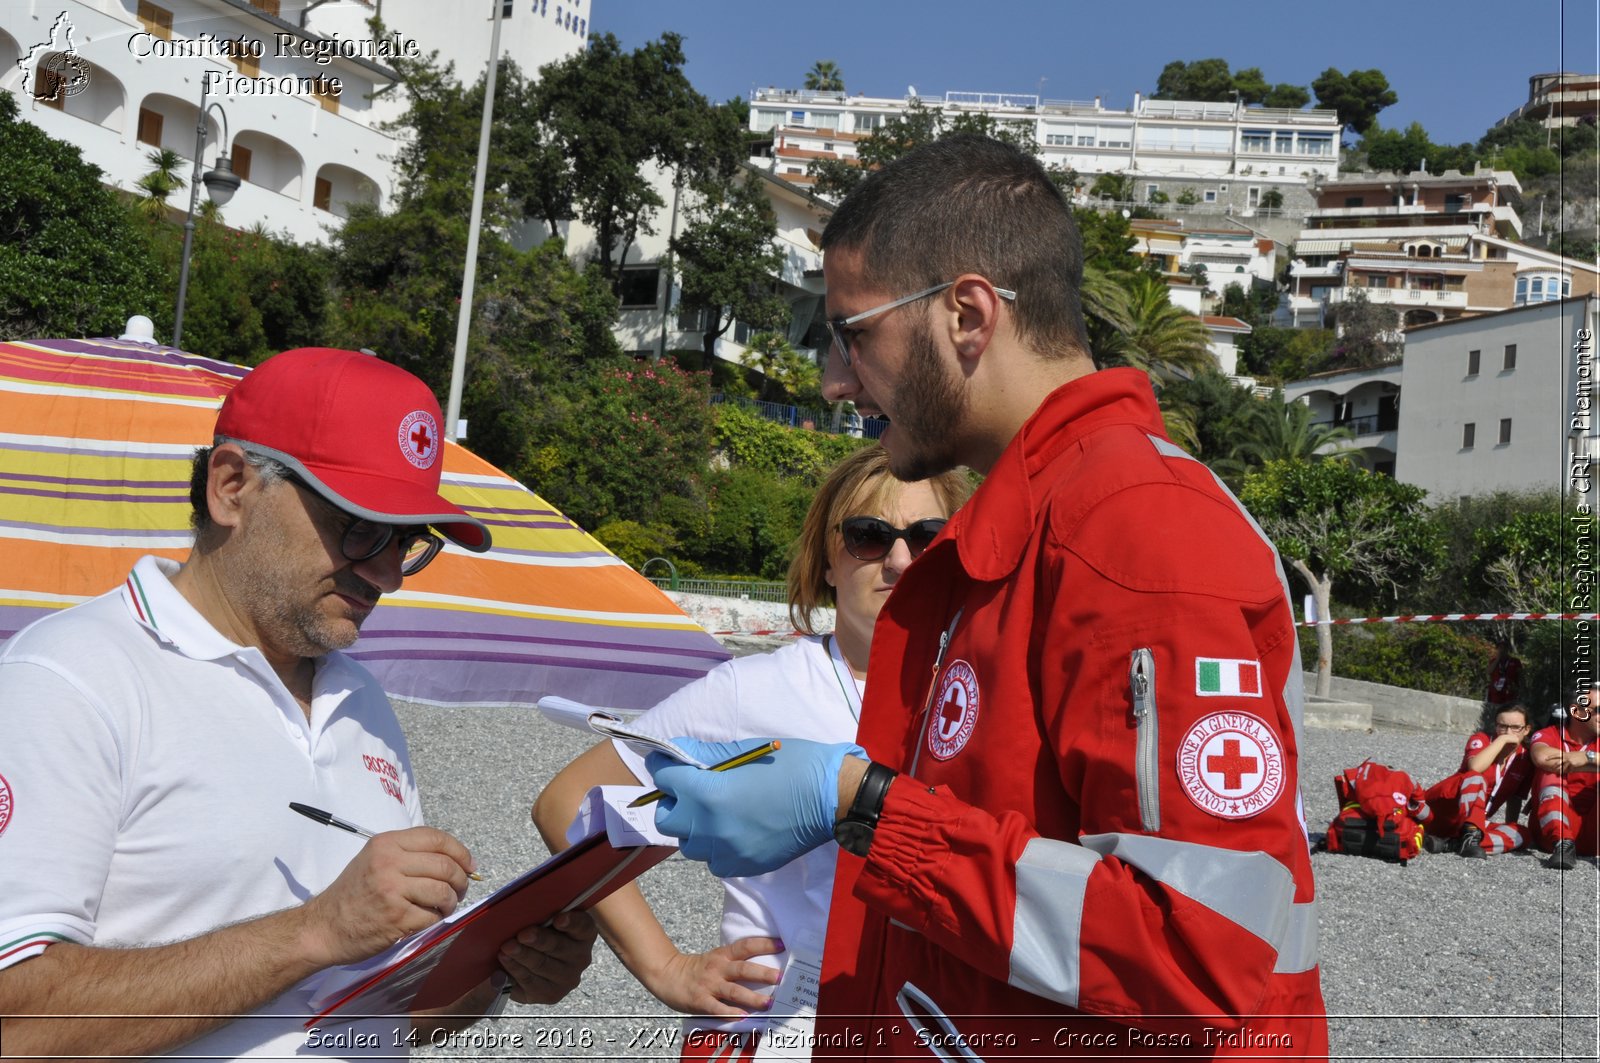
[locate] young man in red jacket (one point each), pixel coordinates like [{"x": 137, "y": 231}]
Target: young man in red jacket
[
  {"x": 1567, "y": 787},
  {"x": 1073, "y": 823},
  {"x": 1495, "y": 770}
]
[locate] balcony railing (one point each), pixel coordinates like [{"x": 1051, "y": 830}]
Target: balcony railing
[
  {"x": 755, "y": 591},
  {"x": 1364, "y": 426},
  {"x": 1402, "y": 296},
  {"x": 802, "y": 417}
]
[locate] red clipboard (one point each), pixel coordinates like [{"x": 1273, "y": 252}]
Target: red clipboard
[{"x": 445, "y": 969}]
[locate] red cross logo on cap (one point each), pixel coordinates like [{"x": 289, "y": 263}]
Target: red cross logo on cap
[{"x": 419, "y": 438}]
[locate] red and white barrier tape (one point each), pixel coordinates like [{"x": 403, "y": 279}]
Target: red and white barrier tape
[
  {"x": 1404, "y": 618},
  {"x": 1447, "y": 617}
]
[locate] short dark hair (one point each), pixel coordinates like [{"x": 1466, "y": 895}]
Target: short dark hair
[
  {"x": 271, "y": 470},
  {"x": 967, "y": 203}
]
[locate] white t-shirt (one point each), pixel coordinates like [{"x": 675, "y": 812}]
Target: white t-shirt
[
  {"x": 149, "y": 765},
  {"x": 803, "y": 690}
]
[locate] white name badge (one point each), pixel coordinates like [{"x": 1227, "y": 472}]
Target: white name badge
[{"x": 793, "y": 1018}]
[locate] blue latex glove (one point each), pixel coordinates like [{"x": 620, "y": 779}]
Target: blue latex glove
[{"x": 755, "y": 818}]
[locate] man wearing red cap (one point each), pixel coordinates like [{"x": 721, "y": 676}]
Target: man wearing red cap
[{"x": 156, "y": 735}]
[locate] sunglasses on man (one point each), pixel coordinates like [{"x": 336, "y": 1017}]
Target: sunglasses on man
[
  {"x": 843, "y": 335},
  {"x": 871, "y": 538},
  {"x": 364, "y": 539}
]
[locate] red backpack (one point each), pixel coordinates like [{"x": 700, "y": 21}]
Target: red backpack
[{"x": 1381, "y": 812}]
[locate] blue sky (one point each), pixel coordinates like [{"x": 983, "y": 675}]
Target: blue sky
[{"x": 1457, "y": 66}]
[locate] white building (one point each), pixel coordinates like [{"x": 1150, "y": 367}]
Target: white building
[
  {"x": 1504, "y": 401},
  {"x": 1435, "y": 247},
  {"x": 1500, "y": 401},
  {"x": 125, "y": 77},
  {"x": 653, "y": 319},
  {"x": 1365, "y": 402},
  {"x": 1229, "y": 155}
]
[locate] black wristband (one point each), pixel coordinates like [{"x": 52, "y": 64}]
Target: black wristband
[{"x": 855, "y": 831}]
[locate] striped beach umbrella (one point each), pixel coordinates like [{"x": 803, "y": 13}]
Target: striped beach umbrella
[{"x": 96, "y": 439}]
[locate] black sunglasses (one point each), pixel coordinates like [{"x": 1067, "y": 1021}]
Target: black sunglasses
[
  {"x": 365, "y": 539},
  {"x": 871, "y": 538}
]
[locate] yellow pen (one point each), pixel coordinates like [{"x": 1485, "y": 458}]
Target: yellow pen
[{"x": 722, "y": 765}]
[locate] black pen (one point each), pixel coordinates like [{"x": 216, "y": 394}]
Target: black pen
[{"x": 328, "y": 819}]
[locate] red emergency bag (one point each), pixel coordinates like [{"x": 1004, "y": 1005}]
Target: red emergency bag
[{"x": 1381, "y": 812}]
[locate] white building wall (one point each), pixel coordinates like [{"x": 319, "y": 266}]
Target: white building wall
[
  {"x": 800, "y": 218},
  {"x": 1153, "y": 139},
  {"x": 1540, "y": 396},
  {"x": 293, "y": 140}
]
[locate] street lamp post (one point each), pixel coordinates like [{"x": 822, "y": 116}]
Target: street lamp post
[{"x": 220, "y": 184}]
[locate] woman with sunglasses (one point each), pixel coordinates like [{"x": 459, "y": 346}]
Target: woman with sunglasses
[{"x": 863, "y": 529}]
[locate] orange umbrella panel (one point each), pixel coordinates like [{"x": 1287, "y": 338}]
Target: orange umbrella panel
[{"x": 94, "y": 473}]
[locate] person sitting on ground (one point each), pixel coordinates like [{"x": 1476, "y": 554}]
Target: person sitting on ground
[
  {"x": 863, "y": 529},
  {"x": 156, "y": 876},
  {"x": 1567, "y": 758},
  {"x": 1495, "y": 770}
]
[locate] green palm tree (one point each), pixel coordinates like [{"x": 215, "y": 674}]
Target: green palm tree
[
  {"x": 162, "y": 180},
  {"x": 825, "y": 76},
  {"x": 1105, "y": 311},
  {"x": 1276, "y": 430},
  {"x": 1164, "y": 340}
]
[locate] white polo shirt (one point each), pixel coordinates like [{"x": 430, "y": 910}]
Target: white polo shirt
[{"x": 149, "y": 764}]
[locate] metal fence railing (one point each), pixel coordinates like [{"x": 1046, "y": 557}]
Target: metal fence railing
[
  {"x": 753, "y": 590},
  {"x": 851, "y": 424}
]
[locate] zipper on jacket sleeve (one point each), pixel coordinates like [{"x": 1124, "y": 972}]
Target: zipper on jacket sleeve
[{"x": 1147, "y": 744}]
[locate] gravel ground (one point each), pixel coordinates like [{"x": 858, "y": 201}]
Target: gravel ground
[{"x": 1443, "y": 958}]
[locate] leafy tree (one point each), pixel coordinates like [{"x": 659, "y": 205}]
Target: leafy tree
[
  {"x": 1367, "y": 333},
  {"x": 1210, "y": 80},
  {"x": 916, "y": 125},
  {"x": 1119, "y": 187},
  {"x": 251, "y": 294},
  {"x": 825, "y": 76},
  {"x": 1502, "y": 552},
  {"x": 1333, "y": 521},
  {"x": 1357, "y": 96},
  {"x": 1387, "y": 149},
  {"x": 1279, "y": 355},
  {"x": 1254, "y": 306},
  {"x": 1107, "y": 240},
  {"x": 1289, "y": 97},
  {"x": 1220, "y": 410},
  {"x": 755, "y": 519},
  {"x": 599, "y": 117},
  {"x": 728, "y": 255},
  {"x": 1532, "y": 134},
  {"x": 74, "y": 261},
  {"x": 1203, "y": 79},
  {"x": 1272, "y": 199}
]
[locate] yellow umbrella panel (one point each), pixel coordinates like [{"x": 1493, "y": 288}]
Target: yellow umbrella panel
[{"x": 94, "y": 473}]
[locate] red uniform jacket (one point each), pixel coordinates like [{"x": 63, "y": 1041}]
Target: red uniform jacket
[
  {"x": 1098, "y": 825},
  {"x": 1509, "y": 778}
]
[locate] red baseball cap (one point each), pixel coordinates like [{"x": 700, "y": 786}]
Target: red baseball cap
[{"x": 363, "y": 433}]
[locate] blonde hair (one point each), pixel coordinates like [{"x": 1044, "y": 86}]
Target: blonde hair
[{"x": 861, "y": 483}]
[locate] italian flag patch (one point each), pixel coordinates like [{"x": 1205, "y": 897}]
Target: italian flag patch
[{"x": 1216, "y": 677}]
